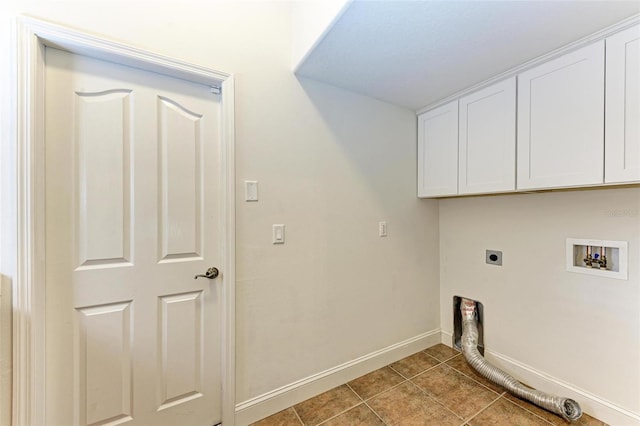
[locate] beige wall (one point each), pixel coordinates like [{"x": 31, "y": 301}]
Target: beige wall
[
  {"x": 583, "y": 330},
  {"x": 336, "y": 290},
  {"x": 330, "y": 165}
]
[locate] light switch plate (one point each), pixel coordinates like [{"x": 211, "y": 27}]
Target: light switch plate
[
  {"x": 382, "y": 229},
  {"x": 251, "y": 190},
  {"x": 278, "y": 234}
]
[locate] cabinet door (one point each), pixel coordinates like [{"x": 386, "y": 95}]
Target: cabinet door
[
  {"x": 487, "y": 140},
  {"x": 438, "y": 151},
  {"x": 561, "y": 121},
  {"x": 622, "y": 129}
]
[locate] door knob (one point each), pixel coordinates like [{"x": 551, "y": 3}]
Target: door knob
[{"x": 211, "y": 273}]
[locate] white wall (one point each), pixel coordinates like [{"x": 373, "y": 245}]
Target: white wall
[
  {"x": 583, "y": 330},
  {"x": 336, "y": 290},
  {"x": 330, "y": 165},
  {"x": 310, "y": 21}
]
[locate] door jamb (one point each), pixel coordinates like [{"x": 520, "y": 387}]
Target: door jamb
[{"x": 32, "y": 36}]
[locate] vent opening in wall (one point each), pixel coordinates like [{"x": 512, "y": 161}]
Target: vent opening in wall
[
  {"x": 457, "y": 324},
  {"x": 597, "y": 257}
]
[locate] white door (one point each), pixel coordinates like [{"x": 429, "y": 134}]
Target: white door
[
  {"x": 487, "y": 159},
  {"x": 438, "y": 151},
  {"x": 622, "y": 125},
  {"x": 561, "y": 121},
  {"x": 132, "y": 214}
]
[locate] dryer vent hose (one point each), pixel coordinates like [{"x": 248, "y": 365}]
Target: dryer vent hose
[{"x": 565, "y": 407}]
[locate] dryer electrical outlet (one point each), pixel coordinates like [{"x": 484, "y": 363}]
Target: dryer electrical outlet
[{"x": 493, "y": 257}]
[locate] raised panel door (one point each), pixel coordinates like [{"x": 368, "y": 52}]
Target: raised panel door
[
  {"x": 487, "y": 140},
  {"x": 622, "y": 129},
  {"x": 132, "y": 214},
  {"x": 438, "y": 151},
  {"x": 561, "y": 121}
]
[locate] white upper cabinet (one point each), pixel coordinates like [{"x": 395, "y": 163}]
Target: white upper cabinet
[
  {"x": 438, "y": 151},
  {"x": 487, "y": 140},
  {"x": 622, "y": 123},
  {"x": 572, "y": 121},
  {"x": 560, "y": 121}
]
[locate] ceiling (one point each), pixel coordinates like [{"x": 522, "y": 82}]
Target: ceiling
[{"x": 414, "y": 53}]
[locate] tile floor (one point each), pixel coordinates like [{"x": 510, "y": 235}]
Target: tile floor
[{"x": 432, "y": 387}]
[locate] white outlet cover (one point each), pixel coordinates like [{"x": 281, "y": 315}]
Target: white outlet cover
[
  {"x": 382, "y": 229},
  {"x": 278, "y": 234},
  {"x": 251, "y": 190}
]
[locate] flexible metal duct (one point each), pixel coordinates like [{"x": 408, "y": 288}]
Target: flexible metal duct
[{"x": 565, "y": 407}]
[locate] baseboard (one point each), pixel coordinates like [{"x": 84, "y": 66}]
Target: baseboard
[
  {"x": 591, "y": 404},
  {"x": 271, "y": 402},
  {"x": 446, "y": 338}
]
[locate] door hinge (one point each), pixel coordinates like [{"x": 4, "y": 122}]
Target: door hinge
[{"x": 216, "y": 91}]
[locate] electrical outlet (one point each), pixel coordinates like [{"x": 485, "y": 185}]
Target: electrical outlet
[{"x": 493, "y": 257}]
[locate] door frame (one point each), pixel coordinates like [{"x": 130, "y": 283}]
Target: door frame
[{"x": 32, "y": 36}]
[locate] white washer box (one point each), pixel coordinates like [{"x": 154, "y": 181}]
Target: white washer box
[{"x": 616, "y": 252}]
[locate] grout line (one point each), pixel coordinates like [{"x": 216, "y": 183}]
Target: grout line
[
  {"x": 529, "y": 411},
  {"x": 433, "y": 398},
  {"x": 343, "y": 411},
  {"x": 339, "y": 414},
  {"x": 367, "y": 405},
  {"x": 384, "y": 391},
  {"x": 425, "y": 371},
  {"x": 431, "y": 356},
  {"x": 444, "y": 361},
  {"x": 376, "y": 413},
  {"x": 452, "y": 356},
  {"x": 476, "y": 380},
  {"x": 401, "y": 375},
  {"x": 297, "y": 415},
  {"x": 490, "y": 404},
  {"x": 352, "y": 390},
  {"x": 418, "y": 374}
]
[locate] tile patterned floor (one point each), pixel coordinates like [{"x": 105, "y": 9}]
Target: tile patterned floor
[{"x": 432, "y": 387}]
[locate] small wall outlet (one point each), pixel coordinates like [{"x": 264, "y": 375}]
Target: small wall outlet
[{"x": 493, "y": 257}]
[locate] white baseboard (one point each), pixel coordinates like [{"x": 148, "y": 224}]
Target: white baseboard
[
  {"x": 271, "y": 402},
  {"x": 446, "y": 338},
  {"x": 591, "y": 404}
]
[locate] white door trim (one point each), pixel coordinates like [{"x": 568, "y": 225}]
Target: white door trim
[{"x": 32, "y": 35}]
